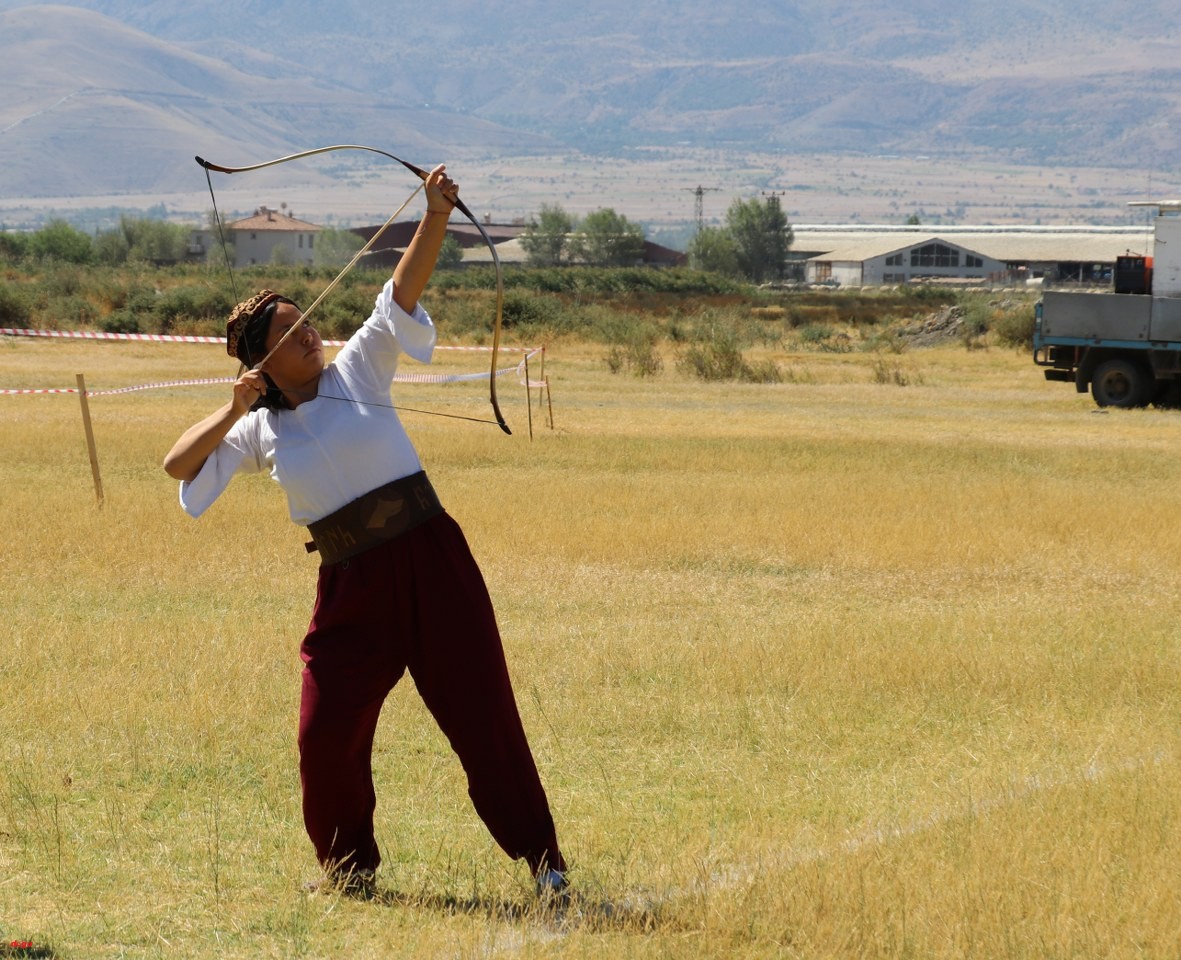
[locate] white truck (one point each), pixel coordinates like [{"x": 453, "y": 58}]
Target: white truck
[{"x": 1125, "y": 346}]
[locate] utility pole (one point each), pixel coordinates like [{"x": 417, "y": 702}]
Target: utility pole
[{"x": 699, "y": 202}]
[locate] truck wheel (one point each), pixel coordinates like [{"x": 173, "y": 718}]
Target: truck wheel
[{"x": 1121, "y": 383}]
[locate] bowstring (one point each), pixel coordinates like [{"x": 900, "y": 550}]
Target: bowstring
[
  {"x": 222, "y": 237},
  {"x": 340, "y": 276},
  {"x": 395, "y": 406}
]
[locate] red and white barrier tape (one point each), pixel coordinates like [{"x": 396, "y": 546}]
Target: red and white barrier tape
[
  {"x": 103, "y": 335},
  {"x": 175, "y": 338},
  {"x": 429, "y": 378},
  {"x": 54, "y": 390},
  {"x": 145, "y": 386}
]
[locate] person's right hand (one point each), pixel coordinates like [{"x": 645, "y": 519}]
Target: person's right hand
[
  {"x": 248, "y": 388},
  {"x": 441, "y": 191}
]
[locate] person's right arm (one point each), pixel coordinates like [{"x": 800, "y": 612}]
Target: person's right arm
[
  {"x": 188, "y": 455},
  {"x": 418, "y": 262}
]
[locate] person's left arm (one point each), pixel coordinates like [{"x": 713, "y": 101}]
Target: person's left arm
[{"x": 418, "y": 263}]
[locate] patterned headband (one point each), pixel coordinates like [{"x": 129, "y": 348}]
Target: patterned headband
[{"x": 241, "y": 316}]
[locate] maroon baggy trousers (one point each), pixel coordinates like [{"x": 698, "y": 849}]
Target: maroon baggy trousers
[{"x": 417, "y": 602}]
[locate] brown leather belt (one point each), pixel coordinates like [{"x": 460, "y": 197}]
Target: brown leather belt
[{"x": 373, "y": 518}]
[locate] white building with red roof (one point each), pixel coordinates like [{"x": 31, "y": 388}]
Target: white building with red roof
[{"x": 266, "y": 236}]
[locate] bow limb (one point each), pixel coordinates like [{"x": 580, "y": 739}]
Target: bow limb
[
  {"x": 498, "y": 321},
  {"x": 417, "y": 171}
]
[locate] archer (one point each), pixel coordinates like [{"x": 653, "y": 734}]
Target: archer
[{"x": 398, "y": 588}]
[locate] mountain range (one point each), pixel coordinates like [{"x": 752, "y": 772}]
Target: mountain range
[{"x": 111, "y": 96}]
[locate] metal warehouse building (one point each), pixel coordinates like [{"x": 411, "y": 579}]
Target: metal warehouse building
[{"x": 855, "y": 255}]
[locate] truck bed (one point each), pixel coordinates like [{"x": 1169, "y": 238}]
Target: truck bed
[{"x": 1089, "y": 318}]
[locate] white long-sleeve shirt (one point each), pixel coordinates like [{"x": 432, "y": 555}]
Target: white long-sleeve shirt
[{"x": 329, "y": 451}]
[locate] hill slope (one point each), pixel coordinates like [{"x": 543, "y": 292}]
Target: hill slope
[
  {"x": 90, "y": 106},
  {"x": 145, "y": 84}
]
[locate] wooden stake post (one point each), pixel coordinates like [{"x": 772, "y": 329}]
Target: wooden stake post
[
  {"x": 543, "y": 394},
  {"x": 528, "y": 396},
  {"x": 98, "y": 480}
]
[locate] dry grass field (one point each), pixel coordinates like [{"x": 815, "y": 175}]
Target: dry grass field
[{"x": 825, "y": 668}]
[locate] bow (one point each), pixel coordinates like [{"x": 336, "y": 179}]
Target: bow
[{"x": 459, "y": 205}]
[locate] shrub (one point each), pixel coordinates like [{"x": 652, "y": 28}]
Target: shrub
[
  {"x": 462, "y": 313},
  {"x": 815, "y": 334},
  {"x": 889, "y": 371},
  {"x": 640, "y": 357},
  {"x": 75, "y": 312},
  {"x": 524, "y": 310},
  {"x": 121, "y": 321},
  {"x": 63, "y": 279},
  {"x": 342, "y": 312},
  {"x": 14, "y": 306},
  {"x": 57, "y": 240},
  {"x": 974, "y": 323},
  {"x": 13, "y": 246},
  {"x": 764, "y": 371},
  {"x": 1015, "y": 327},
  {"x": 886, "y": 341},
  {"x": 142, "y": 302},
  {"x": 720, "y": 358},
  {"x": 717, "y": 360},
  {"x": 596, "y": 281},
  {"x": 187, "y": 307}
]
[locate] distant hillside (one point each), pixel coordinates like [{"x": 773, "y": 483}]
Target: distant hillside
[
  {"x": 90, "y": 106},
  {"x": 135, "y": 86}
]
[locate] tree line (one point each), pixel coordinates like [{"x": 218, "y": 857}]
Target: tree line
[
  {"x": 138, "y": 240},
  {"x": 752, "y": 244}
]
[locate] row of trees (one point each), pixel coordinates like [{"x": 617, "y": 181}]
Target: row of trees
[
  {"x": 133, "y": 239},
  {"x": 603, "y": 239},
  {"x": 752, "y": 244},
  {"x": 137, "y": 240}
]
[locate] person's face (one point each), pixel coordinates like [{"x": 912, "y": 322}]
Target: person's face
[{"x": 301, "y": 357}]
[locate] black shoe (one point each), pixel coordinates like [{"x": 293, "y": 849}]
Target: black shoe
[{"x": 552, "y": 884}]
